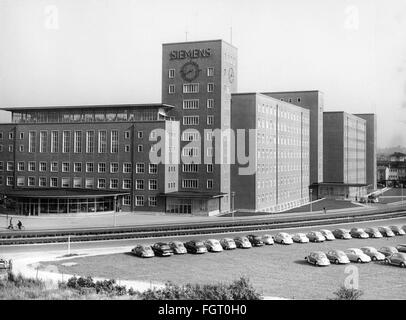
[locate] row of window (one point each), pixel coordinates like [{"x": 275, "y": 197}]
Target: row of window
[
  {"x": 194, "y": 120},
  {"x": 194, "y": 183},
  {"x": 195, "y": 104},
  {"x": 190, "y": 88},
  {"x": 209, "y": 73},
  {"x": 194, "y": 168},
  {"x": 139, "y": 201}
]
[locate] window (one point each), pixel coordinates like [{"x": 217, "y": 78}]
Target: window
[
  {"x": 140, "y": 148},
  {"x": 101, "y": 183},
  {"x": 114, "y": 141},
  {"x": 113, "y": 183},
  {"x": 1, "y": 135},
  {"x": 11, "y": 135},
  {"x": 89, "y": 141},
  {"x": 89, "y": 183},
  {"x": 210, "y": 87},
  {"x": 209, "y": 168},
  {"x": 210, "y": 103},
  {"x": 190, "y": 151},
  {"x": 126, "y": 183},
  {"x": 210, "y": 120},
  {"x": 190, "y": 120},
  {"x": 209, "y": 135},
  {"x": 65, "y": 166},
  {"x": 210, "y": 184},
  {"x": 89, "y": 167},
  {"x": 171, "y": 73},
  {"x": 153, "y": 168},
  {"x": 152, "y": 184},
  {"x": 42, "y": 166},
  {"x": 209, "y": 151},
  {"x": 77, "y": 143},
  {"x": 126, "y": 167},
  {"x": 21, "y": 149},
  {"x": 127, "y": 148},
  {"x": 139, "y": 184},
  {"x": 66, "y": 141},
  {"x": 53, "y": 182},
  {"x": 10, "y": 181},
  {"x": 10, "y": 166},
  {"x": 126, "y": 134},
  {"x": 31, "y": 141},
  {"x": 191, "y": 104},
  {"x": 190, "y": 183},
  {"x": 77, "y": 182},
  {"x": 140, "y": 168},
  {"x": 190, "y": 88},
  {"x": 140, "y": 134},
  {"x": 127, "y": 200},
  {"x": 1, "y": 180},
  {"x": 21, "y": 135},
  {"x": 102, "y": 148},
  {"x": 20, "y": 181},
  {"x": 1, "y": 148},
  {"x": 65, "y": 182},
  {"x": 31, "y": 181},
  {"x": 171, "y": 89},
  {"x": 101, "y": 167},
  {"x": 31, "y": 166},
  {"x": 54, "y": 141},
  {"x": 113, "y": 167},
  {"x": 77, "y": 167},
  {"x": 152, "y": 201},
  {"x": 54, "y": 166},
  {"x": 42, "y": 182},
  {"x": 10, "y": 148},
  {"x": 21, "y": 166},
  {"x": 1, "y": 165},
  {"x": 210, "y": 72},
  {"x": 153, "y": 136},
  {"x": 190, "y": 136},
  {"x": 139, "y": 201}
]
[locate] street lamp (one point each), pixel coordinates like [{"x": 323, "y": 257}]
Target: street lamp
[
  {"x": 311, "y": 198},
  {"x": 232, "y": 203}
]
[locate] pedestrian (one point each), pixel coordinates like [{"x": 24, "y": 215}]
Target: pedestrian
[
  {"x": 10, "y": 226},
  {"x": 19, "y": 224},
  {"x": 324, "y": 210}
]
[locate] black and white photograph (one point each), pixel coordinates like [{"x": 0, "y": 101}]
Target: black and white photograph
[{"x": 186, "y": 151}]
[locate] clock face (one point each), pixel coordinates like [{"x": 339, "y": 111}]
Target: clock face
[
  {"x": 190, "y": 71},
  {"x": 231, "y": 75}
]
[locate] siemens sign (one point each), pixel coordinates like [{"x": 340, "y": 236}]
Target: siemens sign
[{"x": 190, "y": 54}]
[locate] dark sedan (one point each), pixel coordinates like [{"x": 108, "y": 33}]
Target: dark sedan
[
  {"x": 256, "y": 241},
  {"x": 162, "y": 249},
  {"x": 195, "y": 246}
]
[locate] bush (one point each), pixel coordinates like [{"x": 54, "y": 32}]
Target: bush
[
  {"x": 347, "y": 294},
  {"x": 87, "y": 285}
]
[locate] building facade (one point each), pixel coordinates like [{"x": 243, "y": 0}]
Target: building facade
[
  {"x": 344, "y": 137},
  {"x": 198, "y": 79},
  {"x": 280, "y": 144}
]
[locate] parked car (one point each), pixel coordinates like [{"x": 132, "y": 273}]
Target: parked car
[
  {"x": 143, "y": 251},
  {"x": 256, "y": 241},
  {"x": 342, "y": 234},
  {"x": 374, "y": 254},
  {"x": 337, "y": 257},
  {"x": 315, "y": 236},
  {"x": 162, "y": 249},
  {"x": 356, "y": 255},
  {"x": 228, "y": 244},
  {"x": 359, "y": 233},
  {"x": 242, "y": 242},
  {"x": 397, "y": 259},
  {"x": 386, "y": 232},
  {"x": 267, "y": 239},
  {"x": 213, "y": 245},
  {"x": 387, "y": 251},
  {"x": 5, "y": 264},
  {"x": 327, "y": 234},
  {"x": 300, "y": 238},
  {"x": 398, "y": 231},
  {"x": 373, "y": 232},
  {"x": 317, "y": 258},
  {"x": 177, "y": 247},
  {"x": 195, "y": 246},
  {"x": 401, "y": 247},
  {"x": 283, "y": 238}
]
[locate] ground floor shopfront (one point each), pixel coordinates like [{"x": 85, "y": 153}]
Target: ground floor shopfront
[{"x": 341, "y": 191}]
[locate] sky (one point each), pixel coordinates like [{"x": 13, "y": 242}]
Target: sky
[{"x": 70, "y": 52}]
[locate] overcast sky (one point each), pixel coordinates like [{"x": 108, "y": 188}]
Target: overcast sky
[{"x": 109, "y": 51}]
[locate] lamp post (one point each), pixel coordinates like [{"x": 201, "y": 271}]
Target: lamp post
[
  {"x": 232, "y": 203},
  {"x": 115, "y": 209},
  {"x": 311, "y": 198}
]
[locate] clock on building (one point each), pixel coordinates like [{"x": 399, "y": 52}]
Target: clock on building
[{"x": 190, "y": 71}]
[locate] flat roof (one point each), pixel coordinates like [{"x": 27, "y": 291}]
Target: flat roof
[
  {"x": 193, "y": 194},
  {"x": 61, "y": 193},
  {"x": 298, "y": 91},
  {"x": 267, "y": 97},
  {"x": 339, "y": 184},
  {"x": 128, "y": 105},
  {"x": 198, "y": 41}
]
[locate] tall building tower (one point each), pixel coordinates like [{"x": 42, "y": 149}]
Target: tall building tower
[{"x": 198, "y": 79}]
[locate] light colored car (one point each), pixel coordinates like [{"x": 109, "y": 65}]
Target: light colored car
[
  {"x": 387, "y": 250},
  {"x": 398, "y": 231},
  {"x": 386, "y": 231},
  {"x": 213, "y": 245},
  {"x": 356, "y": 255},
  {"x": 267, "y": 239},
  {"x": 177, "y": 247},
  {"x": 373, "y": 232},
  {"x": 342, "y": 234},
  {"x": 401, "y": 247},
  {"x": 374, "y": 254},
  {"x": 242, "y": 242},
  {"x": 318, "y": 258},
  {"x": 315, "y": 236},
  {"x": 359, "y": 233},
  {"x": 337, "y": 257},
  {"x": 143, "y": 251},
  {"x": 327, "y": 234},
  {"x": 300, "y": 238},
  {"x": 228, "y": 244},
  {"x": 283, "y": 238},
  {"x": 397, "y": 259}
]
